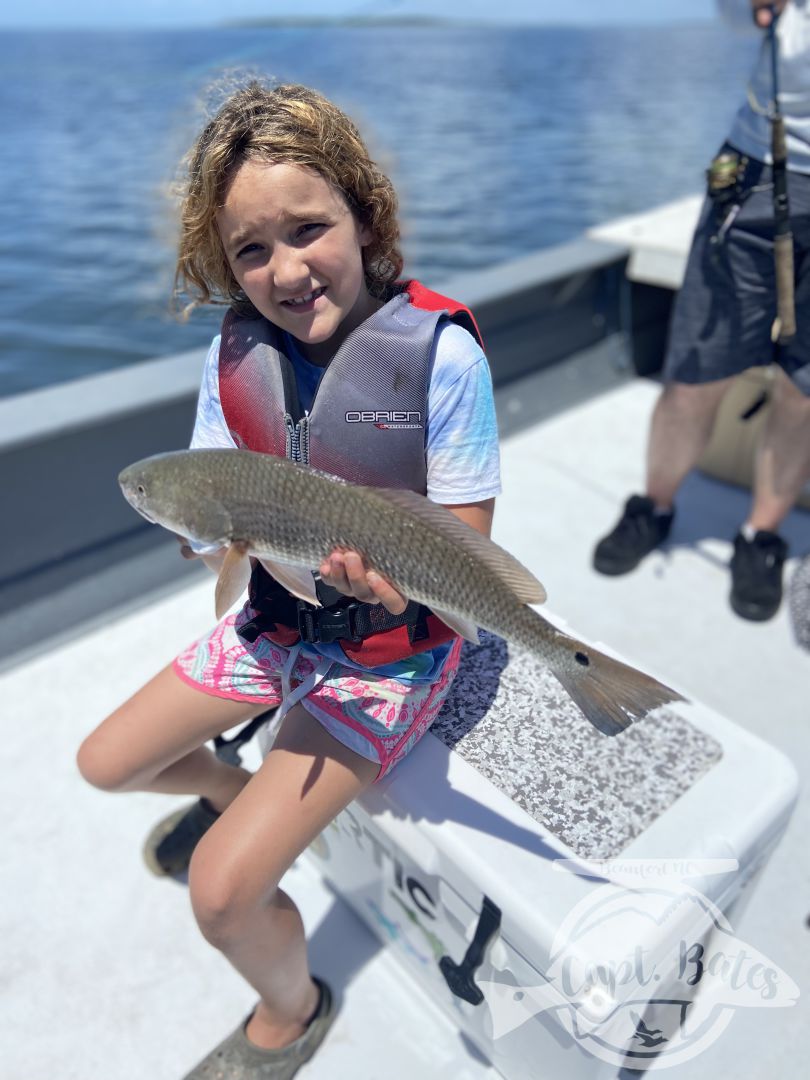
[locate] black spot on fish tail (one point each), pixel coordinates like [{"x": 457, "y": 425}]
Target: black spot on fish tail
[{"x": 612, "y": 695}]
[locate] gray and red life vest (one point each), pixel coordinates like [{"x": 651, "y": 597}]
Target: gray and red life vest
[{"x": 366, "y": 425}]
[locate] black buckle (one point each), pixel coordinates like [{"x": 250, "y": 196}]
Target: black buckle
[
  {"x": 320, "y": 625},
  {"x": 252, "y": 629}
]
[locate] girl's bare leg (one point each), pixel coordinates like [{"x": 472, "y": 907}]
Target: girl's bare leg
[
  {"x": 154, "y": 742},
  {"x": 307, "y": 778}
]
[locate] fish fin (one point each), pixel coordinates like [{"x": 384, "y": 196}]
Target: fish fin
[
  {"x": 233, "y": 579},
  {"x": 513, "y": 574},
  {"x": 612, "y": 695},
  {"x": 468, "y": 630},
  {"x": 296, "y": 579}
]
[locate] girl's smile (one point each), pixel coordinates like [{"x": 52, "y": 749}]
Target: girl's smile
[
  {"x": 304, "y": 303},
  {"x": 296, "y": 250}
]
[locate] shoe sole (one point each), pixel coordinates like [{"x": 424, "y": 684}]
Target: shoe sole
[
  {"x": 753, "y": 612},
  {"x": 614, "y": 569}
]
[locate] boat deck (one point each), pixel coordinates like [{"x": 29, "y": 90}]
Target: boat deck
[{"x": 105, "y": 973}]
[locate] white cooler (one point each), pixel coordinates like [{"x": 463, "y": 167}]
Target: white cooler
[{"x": 468, "y": 863}]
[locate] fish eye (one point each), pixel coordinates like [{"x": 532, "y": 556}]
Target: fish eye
[{"x": 141, "y": 489}]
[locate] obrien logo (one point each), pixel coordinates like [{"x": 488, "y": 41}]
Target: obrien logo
[{"x": 386, "y": 419}]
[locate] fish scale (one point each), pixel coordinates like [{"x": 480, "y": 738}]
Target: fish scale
[
  {"x": 280, "y": 510},
  {"x": 343, "y": 522}
]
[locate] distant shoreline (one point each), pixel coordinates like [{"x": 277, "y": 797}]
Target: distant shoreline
[
  {"x": 338, "y": 20},
  {"x": 348, "y": 22},
  {"x": 442, "y": 22}
]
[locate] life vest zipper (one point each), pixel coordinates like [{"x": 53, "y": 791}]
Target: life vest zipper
[{"x": 297, "y": 444}]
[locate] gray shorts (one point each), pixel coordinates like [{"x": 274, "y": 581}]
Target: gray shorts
[{"x": 722, "y": 317}]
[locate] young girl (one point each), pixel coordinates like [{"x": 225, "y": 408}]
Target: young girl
[{"x": 326, "y": 358}]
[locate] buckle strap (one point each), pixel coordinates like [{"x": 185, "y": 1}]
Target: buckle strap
[
  {"x": 355, "y": 621},
  {"x": 323, "y": 625},
  {"x": 338, "y": 619},
  {"x": 227, "y": 750}
]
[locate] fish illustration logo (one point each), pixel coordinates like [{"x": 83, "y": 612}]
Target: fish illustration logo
[
  {"x": 644, "y": 975},
  {"x": 647, "y": 1036}
]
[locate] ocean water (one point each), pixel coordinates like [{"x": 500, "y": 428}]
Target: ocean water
[{"x": 500, "y": 141}]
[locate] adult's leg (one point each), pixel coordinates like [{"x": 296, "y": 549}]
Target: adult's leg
[
  {"x": 306, "y": 779},
  {"x": 155, "y": 742},
  {"x": 783, "y": 457},
  {"x": 680, "y": 431},
  {"x": 781, "y": 470}
]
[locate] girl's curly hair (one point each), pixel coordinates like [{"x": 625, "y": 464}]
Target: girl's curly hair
[{"x": 297, "y": 126}]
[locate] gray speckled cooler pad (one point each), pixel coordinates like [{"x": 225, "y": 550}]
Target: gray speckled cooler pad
[{"x": 513, "y": 722}]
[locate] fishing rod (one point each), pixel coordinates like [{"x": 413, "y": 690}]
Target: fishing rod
[{"x": 784, "y": 325}]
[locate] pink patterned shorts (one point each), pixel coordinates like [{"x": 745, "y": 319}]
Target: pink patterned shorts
[{"x": 379, "y": 718}]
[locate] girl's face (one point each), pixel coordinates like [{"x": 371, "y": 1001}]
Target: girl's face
[{"x": 295, "y": 248}]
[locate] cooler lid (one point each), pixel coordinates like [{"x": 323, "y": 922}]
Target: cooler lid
[{"x": 509, "y": 718}]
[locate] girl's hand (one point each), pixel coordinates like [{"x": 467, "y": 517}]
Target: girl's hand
[
  {"x": 347, "y": 572},
  {"x": 213, "y": 560},
  {"x": 185, "y": 550},
  {"x": 762, "y": 11}
]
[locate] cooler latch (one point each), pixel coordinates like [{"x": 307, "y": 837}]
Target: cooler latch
[{"x": 459, "y": 977}]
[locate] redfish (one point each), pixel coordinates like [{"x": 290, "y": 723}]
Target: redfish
[{"x": 291, "y": 517}]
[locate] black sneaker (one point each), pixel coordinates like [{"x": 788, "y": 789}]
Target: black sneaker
[
  {"x": 170, "y": 845},
  {"x": 638, "y": 532},
  {"x": 756, "y": 575}
]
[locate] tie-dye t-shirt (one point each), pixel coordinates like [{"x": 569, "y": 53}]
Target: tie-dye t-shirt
[{"x": 461, "y": 436}]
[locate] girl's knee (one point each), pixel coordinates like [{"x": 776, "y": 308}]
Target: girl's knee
[
  {"x": 225, "y": 895},
  {"x": 100, "y": 765}
]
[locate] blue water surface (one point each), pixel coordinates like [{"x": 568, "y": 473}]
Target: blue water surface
[{"x": 500, "y": 141}]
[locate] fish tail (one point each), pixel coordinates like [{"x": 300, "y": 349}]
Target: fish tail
[{"x": 612, "y": 695}]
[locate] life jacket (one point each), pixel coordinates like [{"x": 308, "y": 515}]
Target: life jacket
[{"x": 366, "y": 425}]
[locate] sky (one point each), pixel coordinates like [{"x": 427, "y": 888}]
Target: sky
[{"x": 166, "y": 13}]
